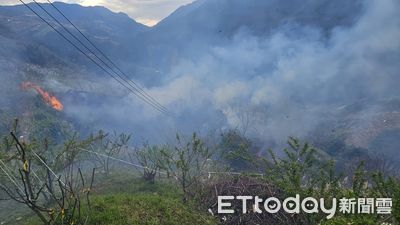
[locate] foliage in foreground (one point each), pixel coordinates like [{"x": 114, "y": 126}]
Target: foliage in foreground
[
  {"x": 302, "y": 170},
  {"x": 117, "y": 201}
]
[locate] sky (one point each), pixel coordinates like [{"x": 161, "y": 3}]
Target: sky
[{"x": 148, "y": 12}]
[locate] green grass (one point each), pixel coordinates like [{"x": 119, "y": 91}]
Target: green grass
[
  {"x": 133, "y": 184},
  {"x": 121, "y": 199},
  {"x": 143, "y": 209}
]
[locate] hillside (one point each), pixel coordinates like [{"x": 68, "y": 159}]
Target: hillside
[{"x": 216, "y": 63}]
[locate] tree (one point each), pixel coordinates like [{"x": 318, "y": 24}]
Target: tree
[
  {"x": 26, "y": 187},
  {"x": 295, "y": 170},
  {"x": 107, "y": 146},
  {"x": 187, "y": 164},
  {"x": 237, "y": 151},
  {"x": 150, "y": 158}
]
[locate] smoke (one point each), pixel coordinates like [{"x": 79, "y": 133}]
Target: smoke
[
  {"x": 293, "y": 79},
  {"x": 271, "y": 76},
  {"x": 272, "y": 86}
]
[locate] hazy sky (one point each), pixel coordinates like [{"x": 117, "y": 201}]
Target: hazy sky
[{"x": 148, "y": 12}]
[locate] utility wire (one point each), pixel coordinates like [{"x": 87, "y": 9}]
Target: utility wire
[
  {"x": 164, "y": 172},
  {"x": 112, "y": 63},
  {"x": 94, "y": 61},
  {"x": 120, "y": 160},
  {"x": 47, "y": 166},
  {"x": 105, "y": 56},
  {"x": 126, "y": 78},
  {"x": 143, "y": 97},
  {"x": 9, "y": 176}
]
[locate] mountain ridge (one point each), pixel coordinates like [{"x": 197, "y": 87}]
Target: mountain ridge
[{"x": 286, "y": 65}]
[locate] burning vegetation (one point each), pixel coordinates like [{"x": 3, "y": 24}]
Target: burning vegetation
[{"x": 47, "y": 97}]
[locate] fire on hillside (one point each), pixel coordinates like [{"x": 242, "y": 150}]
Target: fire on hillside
[{"x": 47, "y": 97}]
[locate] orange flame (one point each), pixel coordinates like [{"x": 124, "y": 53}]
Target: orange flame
[{"x": 48, "y": 98}]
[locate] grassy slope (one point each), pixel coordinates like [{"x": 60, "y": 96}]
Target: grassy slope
[
  {"x": 143, "y": 209},
  {"x": 121, "y": 199}
]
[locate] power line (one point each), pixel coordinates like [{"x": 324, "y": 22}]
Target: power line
[
  {"x": 94, "y": 61},
  {"x": 165, "y": 172},
  {"x": 143, "y": 97},
  {"x": 47, "y": 166},
  {"x": 105, "y": 56},
  {"x": 9, "y": 176},
  {"x": 126, "y": 78},
  {"x": 120, "y": 160}
]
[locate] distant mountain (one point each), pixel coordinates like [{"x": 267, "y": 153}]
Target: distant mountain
[
  {"x": 214, "y": 22},
  {"x": 227, "y": 17},
  {"x": 298, "y": 67},
  {"x": 187, "y": 33},
  {"x": 112, "y": 31},
  {"x": 31, "y": 50}
]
